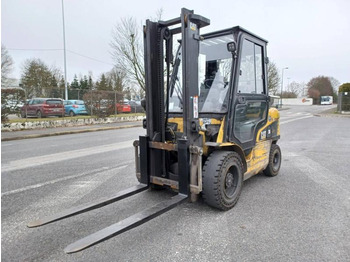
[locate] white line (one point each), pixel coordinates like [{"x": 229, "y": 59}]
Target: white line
[
  {"x": 67, "y": 155},
  {"x": 59, "y": 180},
  {"x": 292, "y": 120}
]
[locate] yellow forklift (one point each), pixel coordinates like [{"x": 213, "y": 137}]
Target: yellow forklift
[{"x": 208, "y": 120}]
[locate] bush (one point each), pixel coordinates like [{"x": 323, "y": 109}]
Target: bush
[
  {"x": 101, "y": 103},
  {"x": 288, "y": 94},
  {"x": 344, "y": 88},
  {"x": 12, "y": 99}
]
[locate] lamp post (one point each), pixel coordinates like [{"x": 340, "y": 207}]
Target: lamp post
[
  {"x": 282, "y": 85},
  {"x": 65, "y": 60}
]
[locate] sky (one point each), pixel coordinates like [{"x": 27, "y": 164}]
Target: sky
[{"x": 310, "y": 37}]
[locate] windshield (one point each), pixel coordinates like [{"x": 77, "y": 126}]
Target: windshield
[
  {"x": 214, "y": 75},
  {"x": 53, "y": 102}
]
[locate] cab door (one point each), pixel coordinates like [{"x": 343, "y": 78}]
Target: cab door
[
  {"x": 30, "y": 107},
  {"x": 250, "y": 103}
]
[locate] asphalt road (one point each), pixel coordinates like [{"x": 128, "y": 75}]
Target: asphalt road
[{"x": 303, "y": 214}]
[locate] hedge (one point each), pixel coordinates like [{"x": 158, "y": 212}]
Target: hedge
[{"x": 344, "y": 87}]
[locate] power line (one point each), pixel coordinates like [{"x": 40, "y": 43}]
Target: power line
[
  {"x": 89, "y": 57},
  {"x": 59, "y": 49}
]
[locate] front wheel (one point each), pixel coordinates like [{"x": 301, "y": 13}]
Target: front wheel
[
  {"x": 71, "y": 113},
  {"x": 222, "y": 179},
  {"x": 38, "y": 114},
  {"x": 275, "y": 159},
  {"x": 23, "y": 114}
]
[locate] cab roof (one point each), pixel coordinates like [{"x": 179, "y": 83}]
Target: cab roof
[{"x": 232, "y": 30}]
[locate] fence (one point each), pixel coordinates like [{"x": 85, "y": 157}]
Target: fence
[
  {"x": 99, "y": 103},
  {"x": 344, "y": 101}
]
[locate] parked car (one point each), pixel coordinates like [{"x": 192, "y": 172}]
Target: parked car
[
  {"x": 123, "y": 108},
  {"x": 43, "y": 107},
  {"x": 75, "y": 107},
  {"x": 136, "y": 107}
]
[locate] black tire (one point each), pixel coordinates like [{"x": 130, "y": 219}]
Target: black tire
[
  {"x": 23, "y": 114},
  {"x": 38, "y": 114},
  {"x": 275, "y": 160},
  {"x": 71, "y": 113},
  {"x": 222, "y": 179}
]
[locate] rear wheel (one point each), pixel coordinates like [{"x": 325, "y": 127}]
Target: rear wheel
[
  {"x": 23, "y": 114},
  {"x": 275, "y": 160},
  {"x": 38, "y": 114},
  {"x": 222, "y": 179},
  {"x": 71, "y": 113}
]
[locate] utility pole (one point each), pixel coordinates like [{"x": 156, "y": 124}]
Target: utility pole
[{"x": 65, "y": 58}]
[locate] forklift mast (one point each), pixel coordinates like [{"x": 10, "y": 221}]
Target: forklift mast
[{"x": 158, "y": 35}]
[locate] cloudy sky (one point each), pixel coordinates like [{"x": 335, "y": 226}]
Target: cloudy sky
[{"x": 310, "y": 37}]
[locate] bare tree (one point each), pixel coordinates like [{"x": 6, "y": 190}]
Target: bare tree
[
  {"x": 6, "y": 66},
  {"x": 128, "y": 50},
  {"x": 127, "y": 45},
  {"x": 117, "y": 79},
  {"x": 273, "y": 78},
  {"x": 335, "y": 83},
  {"x": 295, "y": 88}
]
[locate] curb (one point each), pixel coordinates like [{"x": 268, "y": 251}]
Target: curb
[
  {"x": 68, "y": 132},
  {"x": 332, "y": 115}
]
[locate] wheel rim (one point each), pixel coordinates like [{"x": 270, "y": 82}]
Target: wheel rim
[
  {"x": 71, "y": 113},
  {"x": 231, "y": 181},
  {"x": 276, "y": 161},
  {"x": 38, "y": 114}
]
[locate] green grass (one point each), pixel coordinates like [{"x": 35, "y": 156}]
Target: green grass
[{"x": 33, "y": 119}]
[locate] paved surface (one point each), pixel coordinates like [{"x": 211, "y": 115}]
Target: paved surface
[
  {"x": 34, "y": 133},
  {"x": 300, "y": 215}
]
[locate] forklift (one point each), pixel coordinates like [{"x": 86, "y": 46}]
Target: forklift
[{"x": 208, "y": 120}]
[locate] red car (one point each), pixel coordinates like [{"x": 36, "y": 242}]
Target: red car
[
  {"x": 123, "y": 108},
  {"x": 43, "y": 107}
]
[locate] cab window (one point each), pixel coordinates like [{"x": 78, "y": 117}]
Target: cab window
[{"x": 251, "y": 70}]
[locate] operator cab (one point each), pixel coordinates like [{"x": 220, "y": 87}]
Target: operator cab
[{"x": 231, "y": 83}]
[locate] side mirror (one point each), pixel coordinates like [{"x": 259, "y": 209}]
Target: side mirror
[{"x": 231, "y": 47}]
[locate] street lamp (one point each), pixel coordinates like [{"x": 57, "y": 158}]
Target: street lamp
[
  {"x": 65, "y": 59},
  {"x": 282, "y": 84}
]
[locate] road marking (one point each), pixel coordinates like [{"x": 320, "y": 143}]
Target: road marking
[
  {"x": 67, "y": 155},
  {"x": 96, "y": 171},
  {"x": 295, "y": 119},
  {"x": 3, "y": 144}
]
